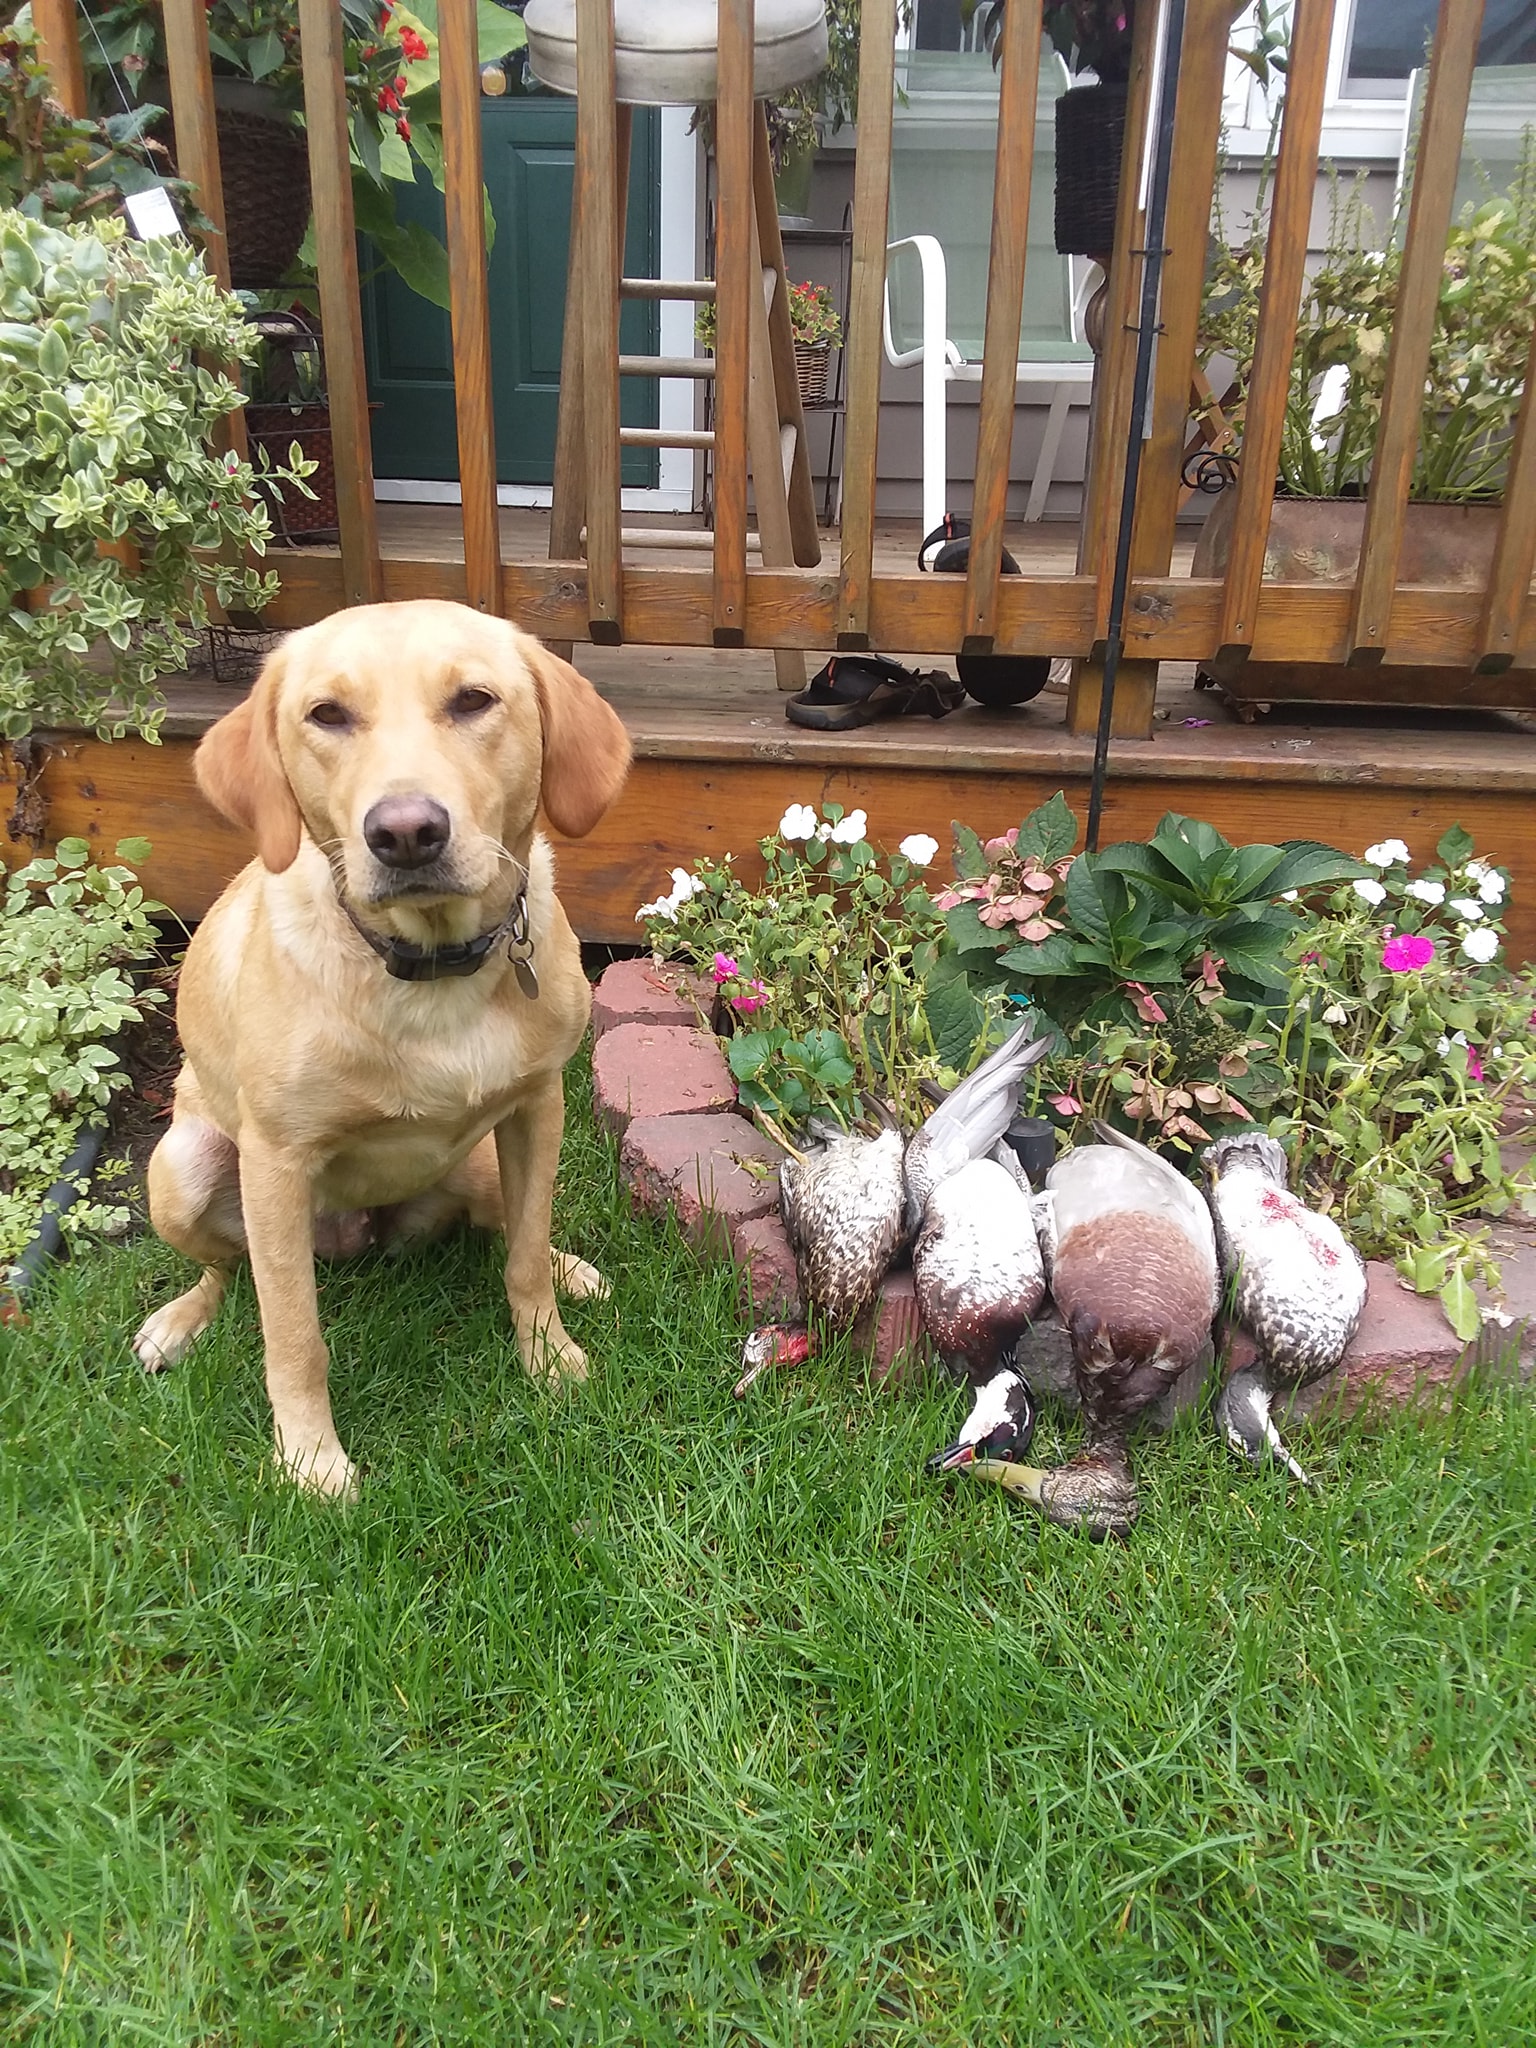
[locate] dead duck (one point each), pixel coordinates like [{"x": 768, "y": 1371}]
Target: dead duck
[
  {"x": 1000, "y": 1425},
  {"x": 842, "y": 1207},
  {"x": 1131, "y": 1255},
  {"x": 1298, "y": 1289}
]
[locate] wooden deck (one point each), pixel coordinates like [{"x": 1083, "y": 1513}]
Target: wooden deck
[{"x": 717, "y": 762}]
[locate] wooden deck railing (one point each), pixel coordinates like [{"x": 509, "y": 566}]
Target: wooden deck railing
[{"x": 853, "y": 606}]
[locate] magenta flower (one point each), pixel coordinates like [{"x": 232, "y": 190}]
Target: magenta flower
[
  {"x": 752, "y": 997},
  {"x": 1474, "y": 1064},
  {"x": 1406, "y": 953},
  {"x": 726, "y": 967}
]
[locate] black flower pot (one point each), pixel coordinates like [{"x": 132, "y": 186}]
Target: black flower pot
[{"x": 1090, "y": 135}]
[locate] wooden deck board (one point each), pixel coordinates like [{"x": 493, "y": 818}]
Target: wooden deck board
[{"x": 717, "y": 762}]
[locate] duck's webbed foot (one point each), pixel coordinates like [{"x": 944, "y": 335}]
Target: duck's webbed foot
[{"x": 1094, "y": 1492}]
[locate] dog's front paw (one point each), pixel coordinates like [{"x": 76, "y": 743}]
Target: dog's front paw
[
  {"x": 549, "y": 1353},
  {"x": 322, "y": 1468},
  {"x": 164, "y": 1338}
]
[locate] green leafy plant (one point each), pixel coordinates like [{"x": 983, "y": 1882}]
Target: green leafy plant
[
  {"x": 1407, "y": 1055},
  {"x": 393, "y": 97},
  {"x": 1338, "y": 376},
  {"x": 59, "y": 169},
  {"x": 1093, "y": 938},
  {"x": 105, "y": 414},
  {"x": 838, "y": 959},
  {"x": 69, "y": 930},
  {"x": 813, "y": 318}
]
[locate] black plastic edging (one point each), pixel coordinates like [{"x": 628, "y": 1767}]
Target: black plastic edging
[{"x": 48, "y": 1240}]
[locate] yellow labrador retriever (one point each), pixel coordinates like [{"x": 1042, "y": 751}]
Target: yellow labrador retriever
[{"x": 375, "y": 1014}]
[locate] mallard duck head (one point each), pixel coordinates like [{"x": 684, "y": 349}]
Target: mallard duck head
[{"x": 1243, "y": 1417}]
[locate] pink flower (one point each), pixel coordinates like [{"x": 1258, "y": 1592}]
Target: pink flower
[
  {"x": 1066, "y": 1105},
  {"x": 1474, "y": 1064},
  {"x": 1408, "y": 952},
  {"x": 726, "y": 967},
  {"x": 1148, "y": 1008},
  {"x": 752, "y": 998}
]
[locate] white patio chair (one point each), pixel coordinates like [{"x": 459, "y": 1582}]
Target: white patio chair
[{"x": 942, "y": 168}]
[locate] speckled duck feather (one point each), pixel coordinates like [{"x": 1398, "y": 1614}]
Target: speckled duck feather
[
  {"x": 971, "y": 1118},
  {"x": 1298, "y": 1283},
  {"x": 977, "y": 1266},
  {"x": 842, "y": 1210}
]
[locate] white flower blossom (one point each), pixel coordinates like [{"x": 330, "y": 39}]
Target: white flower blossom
[
  {"x": 1491, "y": 887},
  {"x": 850, "y": 830},
  {"x": 1481, "y": 944},
  {"x": 685, "y": 886},
  {"x": 1475, "y": 870},
  {"x": 823, "y": 833},
  {"x": 1289, "y": 895},
  {"x": 918, "y": 848},
  {"x": 1335, "y": 1014},
  {"x": 1467, "y": 907},
  {"x": 1427, "y": 892},
  {"x": 1386, "y": 853},
  {"x": 798, "y": 822},
  {"x": 1370, "y": 892},
  {"x": 662, "y": 907}
]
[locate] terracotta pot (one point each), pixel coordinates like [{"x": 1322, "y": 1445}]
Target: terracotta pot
[{"x": 1317, "y": 540}]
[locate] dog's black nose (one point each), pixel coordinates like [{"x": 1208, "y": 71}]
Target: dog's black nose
[{"x": 406, "y": 831}]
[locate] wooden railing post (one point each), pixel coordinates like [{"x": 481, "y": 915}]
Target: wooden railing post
[
  {"x": 595, "y": 205},
  {"x": 734, "y": 284},
  {"x": 189, "y": 64},
  {"x": 1514, "y": 552},
  {"x": 1111, "y": 415},
  {"x": 1017, "y": 101},
  {"x": 341, "y": 311},
  {"x": 59, "y": 34},
  {"x": 866, "y": 297},
  {"x": 1285, "y": 256},
  {"x": 469, "y": 301},
  {"x": 1429, "y": 224}
]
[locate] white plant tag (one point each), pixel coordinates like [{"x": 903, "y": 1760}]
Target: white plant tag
[{"x": 152, "y": 215}]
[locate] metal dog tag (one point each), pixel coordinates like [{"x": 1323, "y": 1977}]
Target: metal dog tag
[{"x": 527, "y": 980}]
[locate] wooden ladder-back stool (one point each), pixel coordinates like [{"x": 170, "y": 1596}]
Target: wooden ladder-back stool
[{"x": 614, "y": 55}]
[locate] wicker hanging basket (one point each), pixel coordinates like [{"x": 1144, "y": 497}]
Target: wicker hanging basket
[
  {"x": 264, "y": 164},
  {"x": 811, "y": 371},
  {"x": 273, "y": 429},
  {"x": 1090, "y": 133}
]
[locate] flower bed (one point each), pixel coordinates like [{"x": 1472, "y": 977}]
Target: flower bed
[{"x": 1356, "y": 1009}]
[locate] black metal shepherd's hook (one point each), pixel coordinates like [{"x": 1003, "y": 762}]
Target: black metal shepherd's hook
[{"x": 1146, "y": 335}]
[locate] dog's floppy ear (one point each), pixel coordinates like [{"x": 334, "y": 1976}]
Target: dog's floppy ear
[
  {"x": 241, "y": 773},
  {"x": 586, "y": 749}
]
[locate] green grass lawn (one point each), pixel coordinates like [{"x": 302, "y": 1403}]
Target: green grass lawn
[{"x": 644, "y": 1715}]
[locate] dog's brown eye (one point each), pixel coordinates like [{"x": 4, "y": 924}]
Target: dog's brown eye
[
  {"x": 469, "y": 703},
  {"x": 336, "y": 717}
]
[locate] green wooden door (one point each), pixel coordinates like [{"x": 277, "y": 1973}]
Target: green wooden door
[{"x": 529, "y": 146}]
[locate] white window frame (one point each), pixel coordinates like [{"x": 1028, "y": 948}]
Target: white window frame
[{"x": 1359, "y": 131}]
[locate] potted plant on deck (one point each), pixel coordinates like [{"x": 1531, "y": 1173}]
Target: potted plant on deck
[
  {"x": 816, "y": 328},
  {"x": 1476, "y": 377},
  {"x": 119, "y": 525},
  {"x": 394, "y": 109}
]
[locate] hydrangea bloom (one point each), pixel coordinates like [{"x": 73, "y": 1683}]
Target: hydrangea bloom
[
  {"x": 1427, "y": 892},
  {"x": 1372, "y": 892},
  {"x": 1481, "y": 944},
  {"x": 1387, "y": 853},
  {"x": 798, "y": 822},
  {"x": 918, "y": 848},
  {"x": 1406, "y": 953}
]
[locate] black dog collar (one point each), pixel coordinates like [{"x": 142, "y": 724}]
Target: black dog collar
[{"x": 407, "y": 962}]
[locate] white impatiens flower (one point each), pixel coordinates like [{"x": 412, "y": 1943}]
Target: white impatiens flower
[
  {"x": 1467, "y": 907},
  {"x": 662, "y": 907},
  {"x": 1370, "y": 892},
  {"x": 850, "y": 830},
  {"x": 918, "y": 848},
  {"x": 798, "y": 822},
  {"x": 685, "y": 886},
  {"x": 1491, "y": 887},
  {"x": 1386, "y": 853},
  {"x": 1289, "y": 895},
  {"x": 1335, "y": 1014},
  {"x": 823, "y": 833},
  {"x": 1427, "y": 892},
  {"x": 1475, "y": 870},
  {"x": 1481, "y": 945}
]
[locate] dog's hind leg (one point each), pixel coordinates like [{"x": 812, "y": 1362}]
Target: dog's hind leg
[{"x": 194, "y": 1204}]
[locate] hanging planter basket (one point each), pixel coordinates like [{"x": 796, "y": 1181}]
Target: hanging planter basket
[
  {"x": 811, "y": 371},
  {"x": 1090, "y": 135},
  {"x": 264, "y": 166},
  {"x": 273, "y": 429}
]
